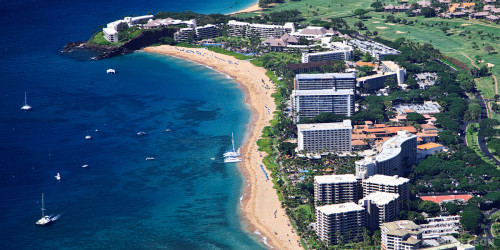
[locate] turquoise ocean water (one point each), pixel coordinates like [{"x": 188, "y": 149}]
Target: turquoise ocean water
[{"x": 181, "y": 200}]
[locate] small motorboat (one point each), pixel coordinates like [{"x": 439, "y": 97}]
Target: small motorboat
[
  {"x": 88, "y": 137},
  {"x": 149, "y": 158},
  {"x": 111, "y": 71},
  {"x": 84, "y": 166},
  {"x": 58, "y": 177}
]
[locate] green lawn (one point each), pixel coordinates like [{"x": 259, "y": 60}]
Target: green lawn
[
  {"x": 451, "y": 44},
  {"x": 98, "y": 39},
  {"x": 316, "y": 9},
  {"x": 486, "y": 86}
]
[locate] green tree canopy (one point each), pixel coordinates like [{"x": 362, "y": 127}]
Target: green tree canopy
[
  {"x": 429, "y": 207},
  {"x": 416, "y": 117}
]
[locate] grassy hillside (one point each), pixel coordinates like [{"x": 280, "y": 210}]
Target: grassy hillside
[{"x": 451, "y": 43}]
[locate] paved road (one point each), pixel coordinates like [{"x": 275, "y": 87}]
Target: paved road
[{"x": 480, "y": 139}]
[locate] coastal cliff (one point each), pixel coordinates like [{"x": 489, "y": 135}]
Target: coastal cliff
[{"x": 145, "y": 39}]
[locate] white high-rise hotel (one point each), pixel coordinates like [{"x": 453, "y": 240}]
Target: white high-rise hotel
[
  {"x": 310, "y": 103},
  {"x": 397, "y": 152},
  {"x": 325, "y": 137},
  {"x": 325, "y": 81}
]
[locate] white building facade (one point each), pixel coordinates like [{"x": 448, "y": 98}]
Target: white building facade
[
  {"x": 400, "y": 235},
  {"x": 325, "y": 137},
  {"x": 397, "y": 153},
  {"x": 380, "y": 208},
  {"x": 263, "y": 31},
  {"x": 387, "y": 184},
  {"x": 325, "y": 81},
  {"x": 346, "y": 220},
  {"x": 336, "y": 189},
  {"x": 310, "y": 103}
]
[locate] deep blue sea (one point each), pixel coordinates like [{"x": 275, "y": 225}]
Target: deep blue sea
[{"x": 180, "y": 200}]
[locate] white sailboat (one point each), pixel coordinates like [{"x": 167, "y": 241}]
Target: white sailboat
[
  {"x": 232, "y": 153},
  {"x": 58, "y": 177},
  {"x": 26, "y": 107},
  {"x": 46, "y": 219},
  {"x": 232, "y": 159}
]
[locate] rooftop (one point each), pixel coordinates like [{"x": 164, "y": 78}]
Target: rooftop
[
  {"x": 342, "y": 178},
  {"x": 325, "y": 126},
  {"x": 317, "y": 31},
  {"x": 426, "y": 108},
  {"x": 390, "y": 148},
  {"x": 429, "y": 145},
  {"x": 381, "y": 198},
  {"x": 401, "y": 227},
  {"x": 308, "y": 65},
  {"x": 391, "y": 65},
  {"x": 441, "y": 198},
  {"x": 386, "y": 180},
  {"x": 340, "y": 208},
  {"x": 323, "y": 92},
  {"x": 325, "y": 76}
]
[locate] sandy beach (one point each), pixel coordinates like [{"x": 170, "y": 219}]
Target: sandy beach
[
  {"x": 252, "y": 8},
  {"x": 260, "y": 205}
]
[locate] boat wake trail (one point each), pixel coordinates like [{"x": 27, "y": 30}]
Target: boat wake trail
[{"x": 55, "y": 217}]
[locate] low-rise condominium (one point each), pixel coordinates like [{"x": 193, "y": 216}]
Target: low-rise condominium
[{"x": 400, "y": 235}]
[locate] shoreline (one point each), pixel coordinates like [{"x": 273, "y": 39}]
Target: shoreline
[
  {"x": 260, "y": 206},
  {"x": 252, "y": 8}
]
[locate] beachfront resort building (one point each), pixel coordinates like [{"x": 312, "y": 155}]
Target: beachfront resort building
[
  {"x": 325, "y": 137},
  {"x": 195, "y": 32},
  {"x": 263, "y": 31},
  {"x": 377, "y": 50},
  {"x": 314, "y": 33},
  {"x": 388, "y": 184},
  {"x": 207, "y": 31},
  {"x": 184, "y": 34},
  {"x": 161, "y": 23},
  {"x": 396, "y": 154},
  {"x": 338, "y": 51},
  {"x": 310, "y": 103},
  {"x": 327, "y": 56},
  {"x": 340, "y": 222},
  {"x": 325, "y": 81},
  {"x": 400, "y": 235},
  {"x": 335, "y": 189},
  {"x": 389, "y": 71},
  {"x": 380, "y": 207},
  {"x": 110, "y": 32}
]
